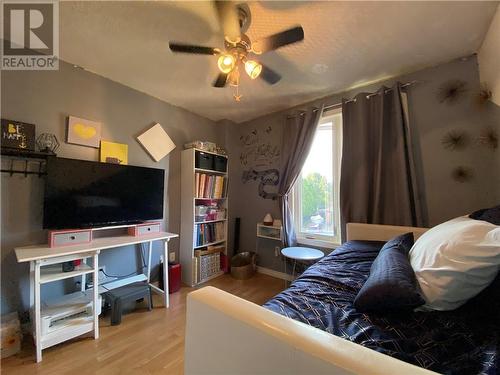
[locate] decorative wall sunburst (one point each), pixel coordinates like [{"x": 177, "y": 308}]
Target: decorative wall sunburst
[
  {"x": 451, "y": 91},
  {"x": 462, "y": 174},
  {"x": 455, "y": 140},
  {"x": 489, "y": 138}
]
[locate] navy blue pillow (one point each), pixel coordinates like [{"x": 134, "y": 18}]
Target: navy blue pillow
[
  {"x": 392, "y": 284},
  {"x": 491, "y": 215}
]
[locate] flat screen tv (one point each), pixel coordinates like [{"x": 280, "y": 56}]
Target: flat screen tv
[{"x": 86, "y": 194}]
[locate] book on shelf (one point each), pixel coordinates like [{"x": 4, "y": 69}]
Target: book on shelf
[
  {"x": 208, "y": 233},
  {"x": 210, "y": 186}
]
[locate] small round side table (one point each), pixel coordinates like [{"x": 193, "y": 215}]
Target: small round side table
[{"x": 301, "y": 254}]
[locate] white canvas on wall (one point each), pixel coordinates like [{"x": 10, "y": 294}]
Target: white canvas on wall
[
  {"x": 83, "y": 132},
  {"x": 156, "y": 142}
]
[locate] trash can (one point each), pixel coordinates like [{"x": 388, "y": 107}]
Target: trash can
[{"x": 243, "y": 265}]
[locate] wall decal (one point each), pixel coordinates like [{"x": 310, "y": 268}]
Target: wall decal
[
  {"x": 156, "y": 142},
  {"x": 455, "y": 140},
  {"x": 484, "y": 94},
  {"x": 451, "y": 91},
  {"x": 16, "y": 134},
  {"x": 115, "y": 153},
  {"x": 489, "y": 138},
  {"x": 462, "y": 174},
  {"x": 83, "y": 132},
  {"x": 269, "y": 177}
]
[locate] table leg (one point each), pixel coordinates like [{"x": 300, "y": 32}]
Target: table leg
[
  {"x": 37, "y": 307},
  {"x": 293, "y": 271},
  {"x": 150, "y": 250},
  {"x": 32, "y": 297},
  {"x": 96, "y": 294},
  {"x": 165, "y": 274}
]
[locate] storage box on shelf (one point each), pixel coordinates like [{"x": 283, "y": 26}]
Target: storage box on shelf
[{"x": 204, "y": 207}]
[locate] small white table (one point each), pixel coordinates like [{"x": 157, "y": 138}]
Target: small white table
[{"x": 302, "y": 254}]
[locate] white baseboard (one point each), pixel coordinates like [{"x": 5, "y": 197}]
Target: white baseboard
[{"x": 273, "y": 273}]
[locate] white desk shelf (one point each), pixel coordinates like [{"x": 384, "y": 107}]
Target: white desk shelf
[
  {"x": 55, "y": 272},
  {"x": 46, "y": 266}
]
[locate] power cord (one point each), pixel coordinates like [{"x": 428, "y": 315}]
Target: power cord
[{"x": 132, "y": 273}]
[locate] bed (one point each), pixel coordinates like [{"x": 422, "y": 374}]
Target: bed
[
  {"x": 312, "y": 327},
  {"x": 463, "y": 341}
]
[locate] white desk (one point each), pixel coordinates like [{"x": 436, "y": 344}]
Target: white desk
[{"x": 41, "y": 257}]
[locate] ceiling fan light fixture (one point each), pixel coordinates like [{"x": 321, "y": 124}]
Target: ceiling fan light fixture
[
  {"x": 233, "y": 79},
  {"x": 226, "y": 63},
  {"x": 253, "y": 68}
]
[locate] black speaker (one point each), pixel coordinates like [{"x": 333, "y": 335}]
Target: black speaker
[{"x": 236, "y": 246}]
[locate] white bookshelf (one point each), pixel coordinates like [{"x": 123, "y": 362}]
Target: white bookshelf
[{"x": 190, "y": 264}]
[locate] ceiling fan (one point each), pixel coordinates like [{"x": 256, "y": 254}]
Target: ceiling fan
[{"x": 239, "y": 49}]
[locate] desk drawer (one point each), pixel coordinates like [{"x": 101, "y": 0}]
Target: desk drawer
[
  {"x": 69, "y": 237},
  {"x": 144, "y": 229}
]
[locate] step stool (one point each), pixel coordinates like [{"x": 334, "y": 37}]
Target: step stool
[{"x": 118, "y": 297}]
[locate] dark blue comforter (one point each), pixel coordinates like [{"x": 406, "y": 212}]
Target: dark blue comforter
[{"x": 463, "y": 341}]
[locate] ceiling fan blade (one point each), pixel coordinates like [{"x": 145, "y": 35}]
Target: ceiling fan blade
[
  {"x": 228, "y": 18},
  {"x": 269, "y": 75},
  {"x": 221, "y": 80},
  {"x": 188, "y": 48},
  {"x": 278, "y": 40}
]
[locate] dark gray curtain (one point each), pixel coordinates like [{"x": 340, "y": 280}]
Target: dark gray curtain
[
  {"x": 298, "y": 135},
  {"x": 378, "y": 183}
]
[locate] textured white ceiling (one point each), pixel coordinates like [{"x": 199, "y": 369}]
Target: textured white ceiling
[{"x": 346, "y": 44}]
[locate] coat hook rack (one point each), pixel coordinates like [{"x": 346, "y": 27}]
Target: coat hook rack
[{"x": 27, "y": 157}]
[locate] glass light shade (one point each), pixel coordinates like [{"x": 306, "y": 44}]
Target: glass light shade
[
  {"x": 253, "y": 68},
  {"x": 233, "y": 79},
  {"x": 226, "y": 63}
]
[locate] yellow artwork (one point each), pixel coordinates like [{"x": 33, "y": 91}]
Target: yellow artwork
[
  {"x": 116, "y": 153},
  {"x": 83, "y": 132}
]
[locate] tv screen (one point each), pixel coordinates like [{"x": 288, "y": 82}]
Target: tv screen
[{"x": 85, "y": 194}]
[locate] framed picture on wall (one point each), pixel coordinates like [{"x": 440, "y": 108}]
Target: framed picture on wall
[
  {"x": 83, "y": 132},
  {"x": 18, "y": 135}
]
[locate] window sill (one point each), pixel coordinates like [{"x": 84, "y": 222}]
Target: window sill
[{"x": 318, "y": 243}]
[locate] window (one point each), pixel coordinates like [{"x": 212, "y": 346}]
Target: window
[{"x": 315, "y": 195}]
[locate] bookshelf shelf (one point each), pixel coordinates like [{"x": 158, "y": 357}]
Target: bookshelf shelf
[
  {"x": 209, "y": 244},
  {"x": 210, "y": 171},
  {"x": 198, "y": 186}
]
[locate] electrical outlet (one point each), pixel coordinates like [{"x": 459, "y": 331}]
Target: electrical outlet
[
  {"x": 277, "y": 251},
  {"x": 171, "y": 257},
  {"x": 161, "y": 258}
]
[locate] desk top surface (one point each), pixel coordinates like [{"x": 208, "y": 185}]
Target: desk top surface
[{"x": 37, "y": 252}]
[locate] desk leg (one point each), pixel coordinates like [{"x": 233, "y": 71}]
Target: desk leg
[
  {"x": 32, "y": 297},
  {"x": 150, "y": 250},
  {"x": 165, "y": 274},
  {"x": 96, "y": 294},
  {"x": 37, "y": 307}
]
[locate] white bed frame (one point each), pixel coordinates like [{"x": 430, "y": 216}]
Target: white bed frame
[{"x": 229, "y": 335}]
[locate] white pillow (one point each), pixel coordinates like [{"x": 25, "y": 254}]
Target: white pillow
[{"x": 455, "y": 260}]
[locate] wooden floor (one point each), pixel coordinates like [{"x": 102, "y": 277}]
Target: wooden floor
[{"x": 144, "y": 343}]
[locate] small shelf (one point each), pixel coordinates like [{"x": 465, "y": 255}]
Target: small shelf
[
  {"x": 209, "y": 199},
  {"x": 20, "y": 153},
  {"x": 211, "y": 171},
  {"x": 209, "y": 221},
  {"x": 269, "y": 232},
  {"x": 67, "y": 329},
  {"x": 210, "y": 244},
  {"x": 54, "y": 273}
]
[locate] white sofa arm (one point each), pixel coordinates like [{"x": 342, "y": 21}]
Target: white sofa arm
[
  {"x": 228, "y": 335},
  {"x": 377, "y": 232}
]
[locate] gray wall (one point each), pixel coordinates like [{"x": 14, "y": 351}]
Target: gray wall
[
  {"x": 46, "y": 98},
  {"x": 430, "y": 121}
]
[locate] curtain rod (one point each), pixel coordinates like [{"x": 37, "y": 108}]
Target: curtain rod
[{"x": 337, "y": 105}]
